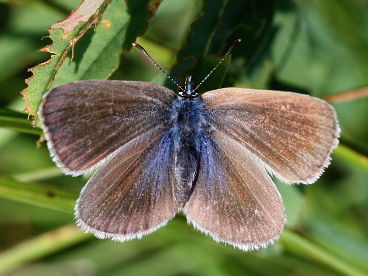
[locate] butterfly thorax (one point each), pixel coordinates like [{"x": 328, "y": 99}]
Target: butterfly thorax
[{"x": 186, "y": 120}]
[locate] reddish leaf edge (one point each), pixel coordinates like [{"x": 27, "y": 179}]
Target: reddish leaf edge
[{"x": 93, "y": 20}]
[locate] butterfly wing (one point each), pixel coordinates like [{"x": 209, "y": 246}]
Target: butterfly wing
[
  {"x": 132, "y": 194},
  {"x": 234, "y": 200},
  {"x": 291, "y": 134},
  {"x": 86, "y": 121}
]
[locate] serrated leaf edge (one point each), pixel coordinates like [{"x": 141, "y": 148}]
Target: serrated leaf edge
[{"x": 92, "y": 20}]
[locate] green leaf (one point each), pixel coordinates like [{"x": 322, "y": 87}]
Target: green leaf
[
  {"x": 97, "y": 55},
  {"x": 219, "y": 25},
  {"x": 64, "y": 35},
  {"x": 17, "y": 121}
]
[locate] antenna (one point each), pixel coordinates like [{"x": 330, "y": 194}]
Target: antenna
[
  {"x": 140, "y": 48},
  {"x": 218, "y": 64}
]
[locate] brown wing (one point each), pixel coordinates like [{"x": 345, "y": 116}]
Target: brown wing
[
  {"x": 291, "y": 134},
  {"x": 131, "y": 195},
  {"x": 234, "y": 200},
  {"x": 84, "y": 122}
]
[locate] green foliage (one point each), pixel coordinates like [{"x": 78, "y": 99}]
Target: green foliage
[
  {"x": 97, "y": 55},
  {"x": 37, "y": 194},
  {"x": 62, "y": 41},
  {"x": 314, "y": 47},
  {"x": 17, "y": 121}
]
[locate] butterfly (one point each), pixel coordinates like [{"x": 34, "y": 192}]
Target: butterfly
[{"x": 210, "y": 156}]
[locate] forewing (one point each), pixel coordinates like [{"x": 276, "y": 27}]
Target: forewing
[
  {"x": 84, "y": 122},
  {"x": 131, "y": 195},
  {"x": 234, "y": 200},
  {"x": 291, "y": 134}
]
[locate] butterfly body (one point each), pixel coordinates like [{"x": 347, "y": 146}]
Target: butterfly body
[{"x": 188, "y": 129}]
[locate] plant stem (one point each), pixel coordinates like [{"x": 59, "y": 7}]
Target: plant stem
[
  {"x": 352, "y": 156},
  {"x": 298, "y": 245},
  {"x": 40, "y": 246},
  {"x": 347, "y": 96},
  {"x": 38, "y": 175},
  {"x": 37, "y": 194},
  {"x": 17, "y": 121}
]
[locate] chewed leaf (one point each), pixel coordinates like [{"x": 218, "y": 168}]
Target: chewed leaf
[
  {"x": 82, "y": 14},
  {"x": 64, "y": 35},
  {"x": 97, "y": 55}
]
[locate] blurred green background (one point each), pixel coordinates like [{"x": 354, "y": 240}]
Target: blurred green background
[{"x": 307, "y": 46}]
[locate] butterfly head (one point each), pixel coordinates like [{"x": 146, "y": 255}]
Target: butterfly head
[{"x": 189, "y": 91}]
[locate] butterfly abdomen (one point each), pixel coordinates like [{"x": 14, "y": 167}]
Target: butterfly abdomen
[{"x": 186, "y": 117}]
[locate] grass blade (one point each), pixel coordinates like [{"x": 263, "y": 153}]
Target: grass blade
[
  {"x": 37, "y": 194},
  {"x": 302, "y": 247},
  {"x": 40, "y": 246},
  {"x": 17, "y": 121}
]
